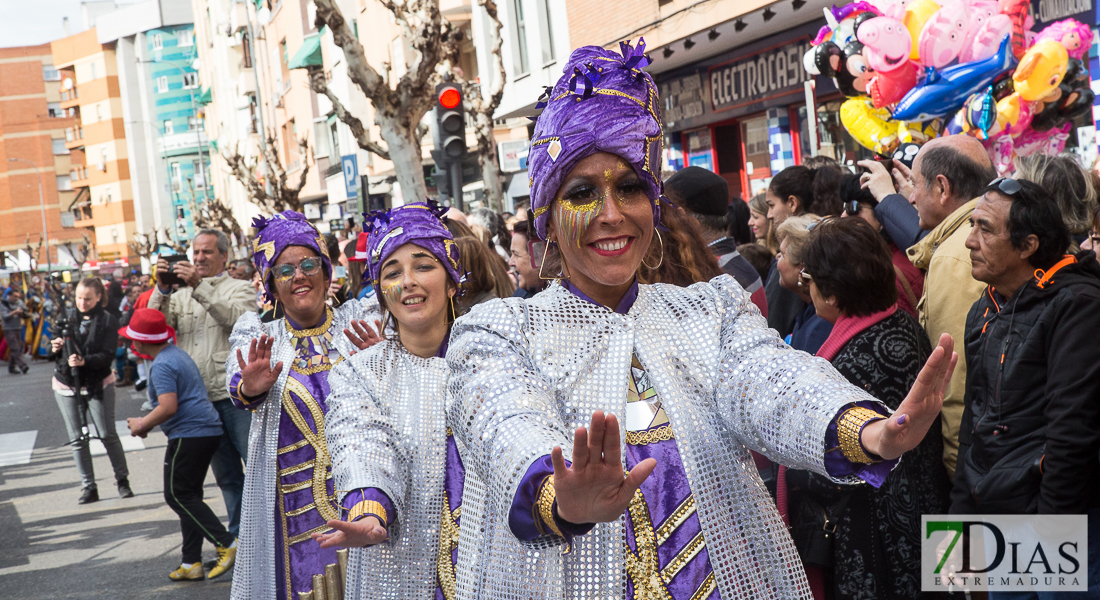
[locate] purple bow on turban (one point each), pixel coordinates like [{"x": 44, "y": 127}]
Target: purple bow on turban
[
  {"x": 275, "y": 234},
  {"x": 604, "y": 102},
  {"x": 420, "y": 223}
]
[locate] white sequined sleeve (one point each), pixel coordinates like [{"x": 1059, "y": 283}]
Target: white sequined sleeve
[
  {"x": 362, "y": 440},
  {"x": 777, "y": 400},
  {"x": 503, "y": 410}
]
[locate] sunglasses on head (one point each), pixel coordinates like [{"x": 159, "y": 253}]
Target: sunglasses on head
[
  {"x": 285, "y": 272},
  {"x": 1007, "y": 185},
  {"x": 851, "y": 207}
]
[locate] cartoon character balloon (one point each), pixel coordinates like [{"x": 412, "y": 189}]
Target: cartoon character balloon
[
  {"x": 946, "y": 91},
  {"x": 886, "y": 47},
  {"x": 847, "y": 67},
  {"x": 1074, "y": 36},
  {"x": 943, "y": 37},
  {"x": 870, "y": 127},
  {"x": 917, "y": 13},
  {"x": 1041, "y": 70}
]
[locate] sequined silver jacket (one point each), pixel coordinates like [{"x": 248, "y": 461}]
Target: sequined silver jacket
[
  {"x": 387, "y": 429},
  {"x": 254, "y": 573},
  {"x": 526, "y": 374}
]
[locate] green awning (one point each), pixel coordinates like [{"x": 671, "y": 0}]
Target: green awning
[
  {"x": 205, "y": 97},
  {"x": 213, "y": 146},
  {"x": 309, "y": 55}
]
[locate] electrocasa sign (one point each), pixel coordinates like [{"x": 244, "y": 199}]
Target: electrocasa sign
[{"x": 772, "y": 72}]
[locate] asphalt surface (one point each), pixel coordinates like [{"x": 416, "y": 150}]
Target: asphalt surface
[{"x": 54, "y": 548}]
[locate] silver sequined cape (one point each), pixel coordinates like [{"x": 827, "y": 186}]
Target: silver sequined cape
[
  {"x": 526, "y": 374},
  {"x": 387, "y": 429},
  {"x": 254, "y": 573}
]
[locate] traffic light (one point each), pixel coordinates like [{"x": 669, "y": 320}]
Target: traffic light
[{"x": 450, "y": 119}]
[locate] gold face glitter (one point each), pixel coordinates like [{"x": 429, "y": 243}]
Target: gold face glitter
[{"x": 392, "y": 294}]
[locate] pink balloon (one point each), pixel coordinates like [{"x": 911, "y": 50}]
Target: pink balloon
[
  {"x": 987, "y": 39},
  {"x": 944, "y": 35},
  {"x": 886, "y": 43}
]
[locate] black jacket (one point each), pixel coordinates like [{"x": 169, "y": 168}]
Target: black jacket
[
  {"x": 1030, "y": 434},
  {"x": 96, "y": 336}
]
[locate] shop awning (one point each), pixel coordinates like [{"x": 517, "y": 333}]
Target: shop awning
[
  {"x": 205, "y": 97},
  {"x": 309, "y": 55}
]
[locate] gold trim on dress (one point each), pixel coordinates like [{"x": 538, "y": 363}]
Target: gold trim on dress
[
  {"x": 296, "y": 468},
  {"x": 650, "y": 436},
  {"x": 643, "y": 568},
  {"x": 292, "y": 447},
  {"x": 675, "y": 520},
  {"x": 369, "y": 507},
  {"x": 683, "y": 558},
  {"x": 322, "y": 328},
  {"x": 301, "y": 510},
  {"x": 448, "y": 541},
  {"x": 308, "y": 535},
  {"x": 545, "y": 503},
  {"x": 705, "y": 588},
  {"x": 325, "y": 505}
]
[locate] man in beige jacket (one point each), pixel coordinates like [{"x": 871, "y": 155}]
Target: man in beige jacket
[
  {"x": 203, "y": 312},
  {"x": 947, "y": 178}
]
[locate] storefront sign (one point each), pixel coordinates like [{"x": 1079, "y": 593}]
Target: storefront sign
[
  {"x": 682, "y": 98},
  {"x": 773, "y": 72},
  {"x": 513, "y": 155},
  {"x": 1049, "y": 11}
]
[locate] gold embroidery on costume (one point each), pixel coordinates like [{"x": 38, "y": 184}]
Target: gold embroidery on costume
[
  {"x": 849, "y": 427},
  {"x": 326, "y": 505},
  {"x": 448, "y": 541}
]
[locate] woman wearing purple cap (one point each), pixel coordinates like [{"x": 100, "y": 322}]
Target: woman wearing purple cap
[
  {"x": 695, "y": 373},
  {"x": 393, "y": 457},
  {"x": 280, "y": 371}
]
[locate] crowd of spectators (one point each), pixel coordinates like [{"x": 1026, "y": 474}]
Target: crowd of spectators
[{"x": 865, "y": 266}]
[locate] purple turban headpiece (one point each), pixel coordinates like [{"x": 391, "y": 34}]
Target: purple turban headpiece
[
  {"x": 275, "y": 234},
  {"x": 604, "y": 102},
  {"x": 420, "y": 223}
]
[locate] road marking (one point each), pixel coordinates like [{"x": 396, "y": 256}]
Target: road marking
[
  {"x": 129, "y": 442},
  {"x": 17, "y": 448}
]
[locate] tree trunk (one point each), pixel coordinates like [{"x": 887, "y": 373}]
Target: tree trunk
[
  {"x": 404, "y": 148},
  {"x": 489, "y": 160}
]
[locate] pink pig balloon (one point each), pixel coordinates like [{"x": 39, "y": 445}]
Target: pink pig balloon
[
  {"x": 987, "y": 39},
  {"x": 944, "y": 35},
  {"x": 886, "y": 43}
]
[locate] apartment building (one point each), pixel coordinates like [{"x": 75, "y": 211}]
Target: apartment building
[
  {"x": 33, "y": 150},
  {"x": 162, "y": 100},
  {"x": 97, "y": 142}
]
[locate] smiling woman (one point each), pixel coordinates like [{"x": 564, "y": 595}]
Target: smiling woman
[
  {"x": 391, "y": 449},
  {"x": 280, "y": 372},
  {"x": 695, "y": 373}
]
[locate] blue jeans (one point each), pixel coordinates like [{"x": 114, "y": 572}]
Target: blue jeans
[
  {"x": 1093, "y": 572},
  {"x": 227, "y": 464}
]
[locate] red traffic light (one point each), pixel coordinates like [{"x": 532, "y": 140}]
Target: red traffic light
[{"x": 450, "y": 98}]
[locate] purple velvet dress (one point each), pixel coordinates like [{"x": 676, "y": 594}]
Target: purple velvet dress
[
  {"x": 667, "y": 555},
  {"x": 305, "y": 494}
]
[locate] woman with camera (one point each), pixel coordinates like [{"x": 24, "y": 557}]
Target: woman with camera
[{"x": 82, "y": 385}]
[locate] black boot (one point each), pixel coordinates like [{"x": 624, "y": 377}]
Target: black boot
[
  {"x": 124, "y": 490},
  {"x": 89, "y": 495}
]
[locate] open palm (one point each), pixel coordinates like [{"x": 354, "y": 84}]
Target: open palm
[
  {"x": 257, "y": 375},
  {"x": 594, "y": 489}
]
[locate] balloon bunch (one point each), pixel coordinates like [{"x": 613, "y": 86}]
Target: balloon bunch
[
  {"x": 908, "y": 66},
  {"x": 1030, "y": 110}
]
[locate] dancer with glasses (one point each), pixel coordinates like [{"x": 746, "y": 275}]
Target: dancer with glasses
[
  {"x": 677, "y": 511},
  {"x": 280, "y": 371},
  {"x": 396, "y": 464}
]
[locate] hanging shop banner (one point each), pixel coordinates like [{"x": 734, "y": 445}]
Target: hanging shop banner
[
  {"x": 1046, "y": 12},
  {"x": 768, "y": 74}
]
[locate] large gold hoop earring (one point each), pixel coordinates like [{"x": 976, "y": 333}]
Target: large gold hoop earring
[
  {"x": 662, "y": 259},
  {"x": 542, "y": 266},
  {"x": 454, "y": 316}
]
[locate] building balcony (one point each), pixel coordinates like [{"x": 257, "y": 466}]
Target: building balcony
[
  {"x": 246, "y": 83},
  {"x": 238, "y": 17},
  {"x": 79, "y": 176},
  {"x": 70, "y": 98},
  {"x": 74, "y": 137}
]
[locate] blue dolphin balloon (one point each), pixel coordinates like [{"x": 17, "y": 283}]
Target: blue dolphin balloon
[{"x": 946, "y": 91}]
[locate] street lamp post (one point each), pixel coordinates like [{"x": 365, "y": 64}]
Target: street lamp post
[{"x": 42, "y": 203}]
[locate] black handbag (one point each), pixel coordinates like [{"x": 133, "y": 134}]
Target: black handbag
[{"x": 814, "y": 530}]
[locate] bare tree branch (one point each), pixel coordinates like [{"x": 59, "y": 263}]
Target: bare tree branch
[
  {"x": 281, "y": 196},
  {"x": 318, "y": 84},
  {"x": 482, "y": 108}
]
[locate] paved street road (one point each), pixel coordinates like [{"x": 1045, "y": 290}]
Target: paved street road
[{"x": 54, "y": 548}]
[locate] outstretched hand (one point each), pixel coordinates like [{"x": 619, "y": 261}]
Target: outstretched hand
[
  {"x": 595, "y": 489},
  {"x": 257, "y": 375},
  {"x": 363, "y": 336},
  {"x": 892, "y": 437},
  {"x": 367, "y": 531}
]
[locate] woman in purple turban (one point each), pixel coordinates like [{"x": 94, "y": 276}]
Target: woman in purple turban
[
  {"x": 396, "y": 465},
  {"x": 668, "y": 506},
  {"x": 280, "y": 371}
]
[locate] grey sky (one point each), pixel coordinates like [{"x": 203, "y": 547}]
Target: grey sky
[{"x": 33, "y": 22}]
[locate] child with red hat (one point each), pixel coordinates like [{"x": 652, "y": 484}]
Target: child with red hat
[{"x": 194, "y": 431}]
